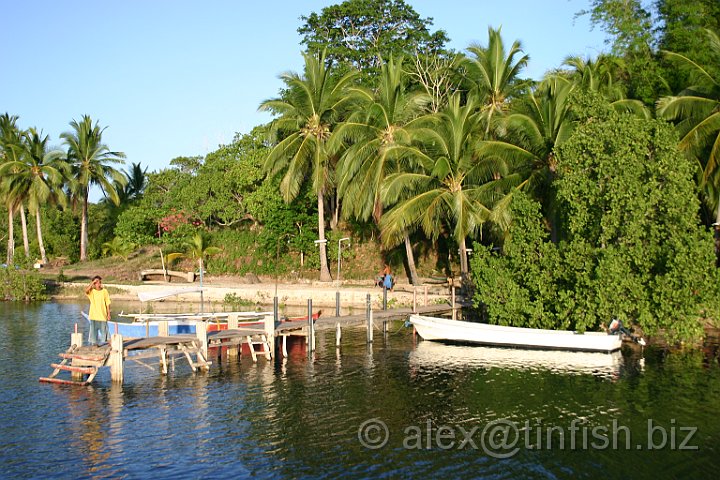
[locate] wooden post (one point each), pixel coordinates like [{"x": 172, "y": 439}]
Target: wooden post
[
  {"x": 414, "y": 300},
  {"x": 338, "y": 334},
  {"x": 384, "y": 297},
  {"x": 270, "y": 333},
  {"x": 426, "y": 295},
  {"x": 163, "y": 330},
  {"x": 116, "y": 358},
  {"x": 76, "y": 339},
  {"x": 337, "y": 303},
  {"x": 311, "y": 328},
  {"x": 233, "y": 350},
  {"x": 368, "y": 318},
  {"x": 201, "y": 334},
  {"x": 452, "y": 297}
]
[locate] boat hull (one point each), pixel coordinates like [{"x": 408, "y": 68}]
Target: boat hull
[{"x": 456, "y": 331}]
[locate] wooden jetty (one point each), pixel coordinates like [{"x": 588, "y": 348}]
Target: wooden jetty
[{"x": 83, "y": 362}]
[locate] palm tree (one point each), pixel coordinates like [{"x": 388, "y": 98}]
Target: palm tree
[
  {"x": 309, "y": 110},
  {"x": 36, "y": 177},
  {"x": 697, "y": 112},
  {"x": 531, "y": 133},
  {"x": 493, "y": 75},
  {"x": 383, "y": 122},
  {"x": 91, "y": 165},
  {"x": 136, "y": 182},
  {"x": 11, "y": 150},
  {"x": 197, "y": 248},
  {"x": 600, "y": 75},
  {"x": 453, "y": 188}
]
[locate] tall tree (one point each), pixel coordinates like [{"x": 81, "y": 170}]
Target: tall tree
[
  {"x": 452, "y": 188},
  {"x": 629, "y": 24},
  {"x": 91, "y": 161},
  {"x": 493, "y": 75},
  {"x": 602, "y": 75},
  {"x": 382, "y": 123},
  {"x": 38, "y": 177},
  {"x": 357, "y": 34},
  {"x": 310, "y": 109},
  {"x": 680, "y": 30},
  {"x": 532, "y": 130},
  {"x": 697, "y": 113},
  {"x": 11, "y": 150}
]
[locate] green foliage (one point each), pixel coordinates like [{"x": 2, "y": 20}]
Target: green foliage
[
  {"x": 516, "y": 287},
  {"x": 630, "y": 244},
  {"x": 118, "y": 247},
  {"x": 358, "y": 33},
  {"x": 235, "y": 302},
  {"x": 20, "y": 285},
  {"x": 61, "y": 233}
]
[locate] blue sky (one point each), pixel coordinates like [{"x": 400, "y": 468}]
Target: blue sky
[{"x": 174, "y": 77}]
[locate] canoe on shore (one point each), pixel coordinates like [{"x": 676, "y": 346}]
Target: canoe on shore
[{"x": 456, "y": 331}]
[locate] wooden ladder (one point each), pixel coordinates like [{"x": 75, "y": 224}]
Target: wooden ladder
[
  {"x": 265, "y": 347},
  {"x": 201, "y": 361},
  {"x": 87, "y": 364}
]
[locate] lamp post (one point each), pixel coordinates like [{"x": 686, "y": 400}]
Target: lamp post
[{"x": 340, "y": 257}]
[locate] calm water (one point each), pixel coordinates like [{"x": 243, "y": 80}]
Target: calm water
[{"x": 487, "y": 412}]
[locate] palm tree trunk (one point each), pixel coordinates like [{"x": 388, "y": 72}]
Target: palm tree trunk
[
  {"x": 41, "y": 245},
  {"x": 23, "y": 223},
  {"x": 11, "y": 237},
  {"x": 324, "y": 269},
  {"x": 83, "y": 228},
  {"x": 463, "y": 259},
  {"x": 411, "y": 260}
]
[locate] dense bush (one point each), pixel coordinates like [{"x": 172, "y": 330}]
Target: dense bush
[
  {"x": 630, "y": 244},
  {"x": 20, "y": 285}
]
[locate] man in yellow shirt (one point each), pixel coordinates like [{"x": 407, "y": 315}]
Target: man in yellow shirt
[{"x": 99, "y": 313}]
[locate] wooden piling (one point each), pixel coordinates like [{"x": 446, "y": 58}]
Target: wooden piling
[
  {"x": 76, "y": 340},
  {"x": 452, "y": 296},
  {"x": 116, "y": 360},
  {"x": 368, "y": 317},
  {"x": 270, "y": 333},
  {"x": 163, "y": 329},
  {"x": 233, "y": 350},
  {"x": 414, "y": 300},
  {"x": 426, "y": 288},
  {"x": 201, "y": 334},
  {"x": 311, "y": 328}
]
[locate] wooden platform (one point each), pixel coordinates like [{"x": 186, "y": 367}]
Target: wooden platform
[{"x": 82, "y": 361}]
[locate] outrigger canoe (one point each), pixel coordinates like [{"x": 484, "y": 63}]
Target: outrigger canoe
[
  {"x": 456, "y": 331},
  {"x": 147, "y": 325}
]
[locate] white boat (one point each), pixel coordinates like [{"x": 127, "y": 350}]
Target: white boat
[
  {"x": 434, "y": 355},
  {"x": 446, "y": 330}
]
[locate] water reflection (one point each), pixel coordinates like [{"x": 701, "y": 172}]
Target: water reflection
[{"x": 449, "y": 357}]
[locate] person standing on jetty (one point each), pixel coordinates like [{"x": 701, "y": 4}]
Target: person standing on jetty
[{"x": 99, "y": 313}]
